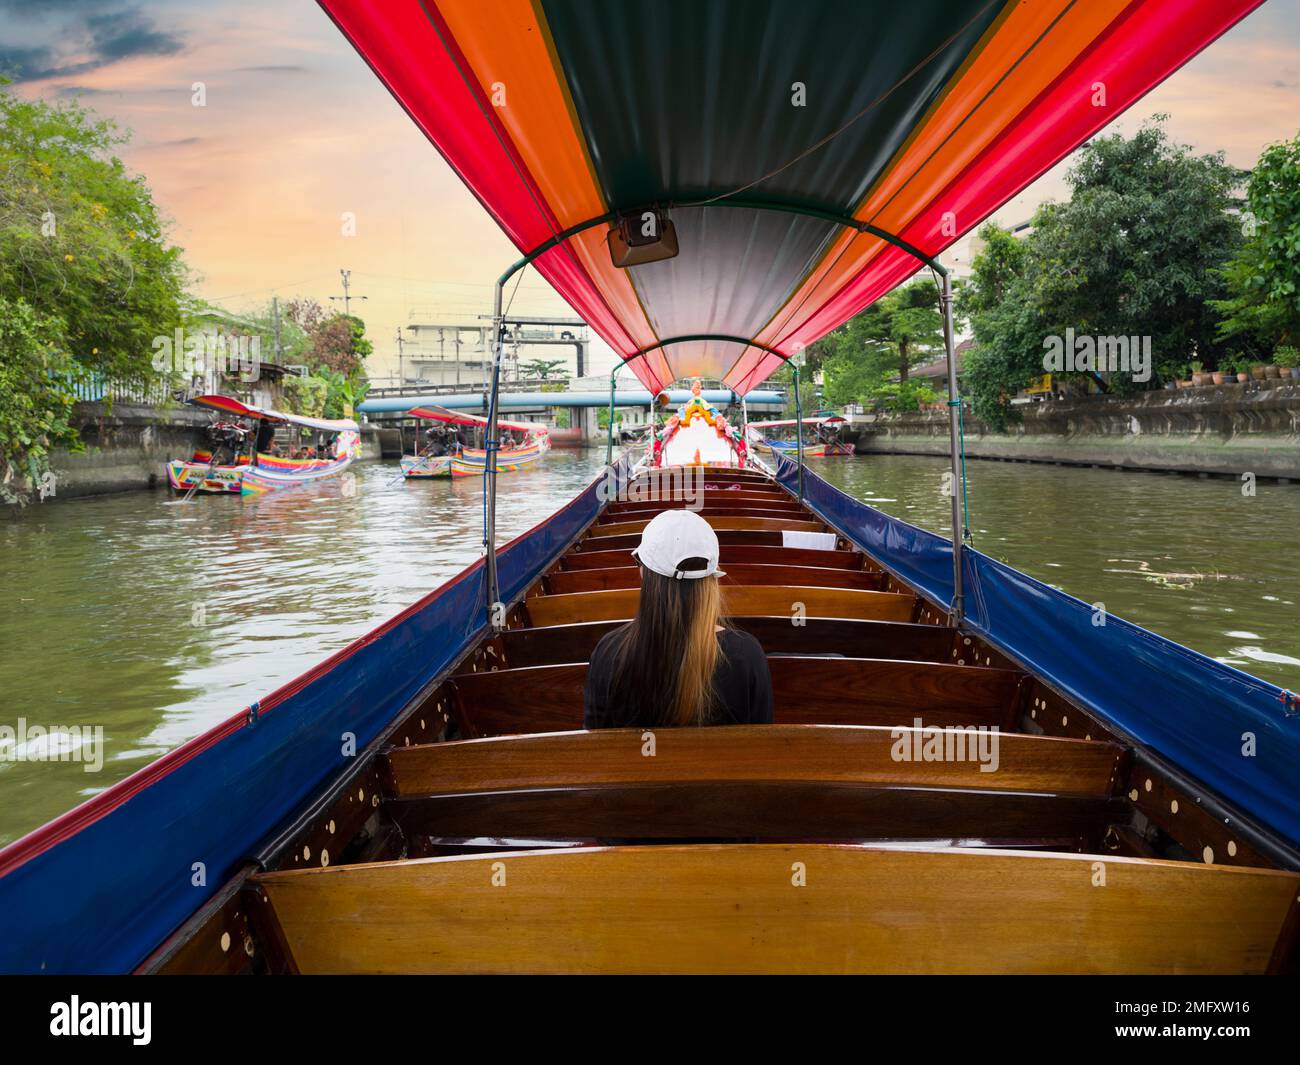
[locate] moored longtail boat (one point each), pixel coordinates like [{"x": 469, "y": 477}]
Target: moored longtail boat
[
  {"x": 261, "y": 472},
  {"x": 766, "y": 439},
  {"x": 439, "y": 459},
  {"x": 967, "y": 772}
]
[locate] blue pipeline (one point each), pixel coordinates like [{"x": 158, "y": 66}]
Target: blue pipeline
[{"x": 623, "y": 397}]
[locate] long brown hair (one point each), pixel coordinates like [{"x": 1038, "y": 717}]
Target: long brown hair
[{"x": 665, "y": 657}]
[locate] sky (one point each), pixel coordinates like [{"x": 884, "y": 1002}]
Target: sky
[{"x": 296, "y": 131}]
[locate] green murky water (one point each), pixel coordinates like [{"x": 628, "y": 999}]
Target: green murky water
[
  {"x": 156, "y": 620},
  {"x": 1190, "y": 558}
]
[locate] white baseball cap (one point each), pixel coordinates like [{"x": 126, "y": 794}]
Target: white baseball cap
[{"x": 674, "y": 536}]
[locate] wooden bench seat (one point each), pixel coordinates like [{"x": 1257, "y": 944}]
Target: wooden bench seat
[
  {"x": 708, "y": 512},
  {"x": 813, "y": 782},
  {"x": 733, "y": 554},
  {"x": 590, "y": 580},
  {"x": 720, "y": 522},
  {"x": 712, "y": 497},
  {"x": 738, "y": 600},
  {"x": 806, "y": 690},
  {"x": 555, "y": 644},
  {"x": 602, "y": 541},
  {"x": 780, "y": 908},
  {"x": 773, "y": 498},
  {"x": 759, "y": 753},
  {"x": 767, "y": 810}
]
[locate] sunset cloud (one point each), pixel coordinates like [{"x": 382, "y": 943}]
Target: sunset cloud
[{"x": 67, "y": 38}]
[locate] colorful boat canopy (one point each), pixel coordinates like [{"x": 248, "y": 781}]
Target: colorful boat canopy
[
  {"x": 827, "y": 419},
  {"x": 457, "y": 417},
  {"x": 230, "y": 405},
  {"x": 768, "y": 132}
]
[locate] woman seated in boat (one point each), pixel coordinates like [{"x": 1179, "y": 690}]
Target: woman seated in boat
[{"x": 677, "y": 662}]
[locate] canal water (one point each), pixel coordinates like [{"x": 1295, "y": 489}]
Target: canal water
[{"x": 157, "y": 619}]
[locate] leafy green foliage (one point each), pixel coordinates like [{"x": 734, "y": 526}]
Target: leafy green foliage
[
  {"x": 998, "y": 302},
  {"x": 334, "y": 348},
  {"x": 868, "y": 359},
  {"x": 81, "y": 238},
  {"x": 342, "y": 393},
  {"x": 306, "y": 395},
  {"x": 87, "y": 277},
  {"x": 1263, "y": 280},
  {"x": 784, "y": 377},
  {"x": 1137, "y": 251},
  {"x": 540, "y": 368},
  {"x": 36, "y": 401}
]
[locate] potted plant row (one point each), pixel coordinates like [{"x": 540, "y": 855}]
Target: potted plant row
[{"x": 1287, "y": 360}]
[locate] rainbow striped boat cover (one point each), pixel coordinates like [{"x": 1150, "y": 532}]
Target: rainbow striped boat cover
[{"x": 271, "y": 472}]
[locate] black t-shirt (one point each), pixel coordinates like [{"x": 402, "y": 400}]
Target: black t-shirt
[{"x": 741, "y": 681}]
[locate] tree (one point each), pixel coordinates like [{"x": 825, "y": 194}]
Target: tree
[
  {"x": 295, "y": 341},
  {"x": 871, "y": 356},
  {"x": 339, "y": 344},
  {"x": 998, "y": 302},
  {"x": 35, "y": 413},
  {"x": 81, "y": 239},
  {"x": 342, "y": 394},
  {"x": 88, "y": 280},
  {"x": 807, "y": 389},
  {"x": 1136, "y": 252},
  {"x": 540, "y": 368},
  {"x": 1262, "y": 309}
]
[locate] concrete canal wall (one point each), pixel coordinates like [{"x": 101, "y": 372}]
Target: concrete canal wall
[
  {"x": 127, "y": 447},
  {"x": 1221, "y": 429}
]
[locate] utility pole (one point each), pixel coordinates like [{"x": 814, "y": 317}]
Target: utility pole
[
  {"x": 279, "y": 348},
  {"x": 400, "y": 375},
  {"x": 346, "y": 297}
]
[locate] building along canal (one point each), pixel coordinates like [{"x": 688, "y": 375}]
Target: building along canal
[{"x": 156, "y": 619}]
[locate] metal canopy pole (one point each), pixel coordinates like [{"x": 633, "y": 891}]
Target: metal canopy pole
[
  {"x": 495, "y": 616},
  {"x": 798, "y": 427},
  {"x": 744, "y": 426},
  {"x": 609, "y": 439},
  {"x": 954, "y": 451}
]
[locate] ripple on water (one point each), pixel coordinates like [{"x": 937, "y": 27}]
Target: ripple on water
[{"x": 157, "y": 620}]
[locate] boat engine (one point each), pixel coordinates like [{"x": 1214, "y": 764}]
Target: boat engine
[{"x": 228, "y": 437}]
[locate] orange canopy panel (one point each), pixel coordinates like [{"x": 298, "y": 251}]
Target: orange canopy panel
[{"x": 770, "y": 133}]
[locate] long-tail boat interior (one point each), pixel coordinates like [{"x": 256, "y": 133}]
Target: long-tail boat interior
[
  {"x": 969, "y": 771},
  {"x": 486, "y": 832}
]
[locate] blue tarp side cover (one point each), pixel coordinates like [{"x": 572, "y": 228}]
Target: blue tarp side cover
[
  {"x": 1236, "y": 734},
  {"x": 102, "y": 899}
]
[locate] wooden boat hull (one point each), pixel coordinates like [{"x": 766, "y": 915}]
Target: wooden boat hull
[
  {"x": 810, "y": 451},
  {"x": 183, "y": 476},
  {"x": 469, "y": 744},
  {"x": 471, "y": 462}
]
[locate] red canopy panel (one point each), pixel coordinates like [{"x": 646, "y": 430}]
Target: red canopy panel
[
  {"x": 454, "y": 417},
  {"x": 230, "y": 405},
  {"x": 749, "y": 123}
]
